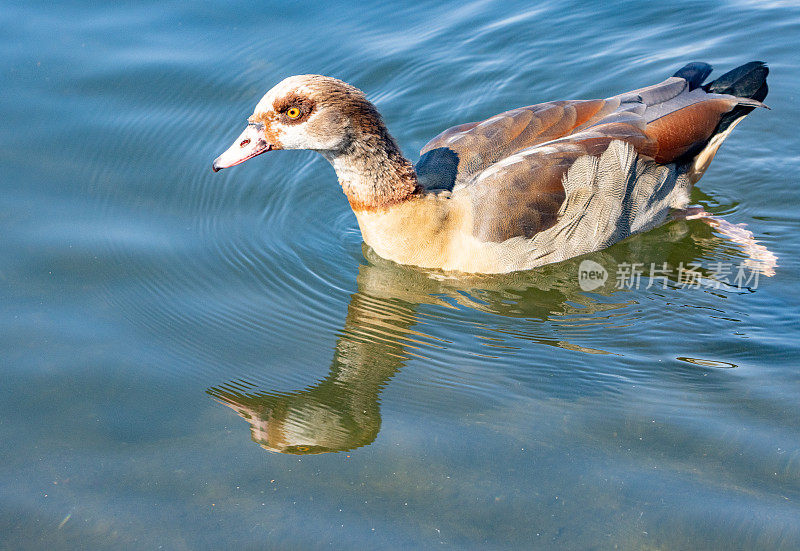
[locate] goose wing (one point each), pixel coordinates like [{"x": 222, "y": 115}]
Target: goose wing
[{"x": 512, "y": 164}]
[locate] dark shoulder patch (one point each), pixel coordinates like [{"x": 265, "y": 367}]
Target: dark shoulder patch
[{"x": 437, "y": 169}]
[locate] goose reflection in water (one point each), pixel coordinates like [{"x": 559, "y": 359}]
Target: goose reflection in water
[{"x": 342, "y": 411}]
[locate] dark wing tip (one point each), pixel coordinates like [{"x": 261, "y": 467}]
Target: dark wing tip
[
  {"x": 694, "y": 73},
  {"x": 746, "y": 81}
]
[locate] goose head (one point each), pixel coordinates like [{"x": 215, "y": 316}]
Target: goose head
[{"x": 313, "y": 112}]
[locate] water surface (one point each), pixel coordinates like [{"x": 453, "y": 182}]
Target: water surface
[{"x": 196, "y": 360}]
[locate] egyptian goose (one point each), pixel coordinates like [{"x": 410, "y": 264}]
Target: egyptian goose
[{"x": 527, "y": 187}]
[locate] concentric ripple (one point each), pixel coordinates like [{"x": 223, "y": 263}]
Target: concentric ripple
[
  {"x": 232, "y": 274},
  {"x": 266, "y": 258},
  {"x": 164, "y": 324}
]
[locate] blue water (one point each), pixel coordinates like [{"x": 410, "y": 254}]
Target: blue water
[{"x": 196, "y": 360}]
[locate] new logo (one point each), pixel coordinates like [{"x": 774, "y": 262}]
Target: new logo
[{"x": 591, "y": 275}]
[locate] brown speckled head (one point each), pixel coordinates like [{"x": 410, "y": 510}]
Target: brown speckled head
[
  {"x": 315, "y": 112},
  {"x": 336, "y": 119}
]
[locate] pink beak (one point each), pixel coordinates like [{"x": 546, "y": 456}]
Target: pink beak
[{"x": 250, "y": 143}]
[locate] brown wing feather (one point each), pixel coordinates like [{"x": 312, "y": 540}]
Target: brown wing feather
[
  {"x": 688, "y": 128},
  {"x": 522, "y": 195},
  {"x": 512, "y": 164},
  {"x": 478, "y": 145}
]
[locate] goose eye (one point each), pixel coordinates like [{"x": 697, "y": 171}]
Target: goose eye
[{"x": 293, "y": 113}]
